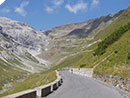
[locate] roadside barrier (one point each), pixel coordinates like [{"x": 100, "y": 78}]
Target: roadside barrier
[{"x": 39, "y": 92}]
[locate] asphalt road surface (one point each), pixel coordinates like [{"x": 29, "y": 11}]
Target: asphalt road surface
[{"x": 75, "y": 86}]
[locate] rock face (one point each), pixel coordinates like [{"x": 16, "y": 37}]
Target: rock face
[
  {"x": 119, "y": 82},
  {"x": 22, "y": 43},
  {"x": 26, "y": 50},
  {"x": 22, "y": 34},
  {"x": 19, "y": 42}
]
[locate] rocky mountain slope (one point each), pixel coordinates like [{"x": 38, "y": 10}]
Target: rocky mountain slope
[
  {"x": 24, "y": 50},
  {"x": 71, "y": 39},
  {"x": 22, "y": 41},
  {"x": 112, "y": 52},
  {"x": 84, "y": 28},
  {"x": 19, "y": 46}
]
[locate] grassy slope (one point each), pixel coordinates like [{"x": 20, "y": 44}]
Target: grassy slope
[
  {"x": 91, "y": 60},
  {"x": 70, "y": 61},
  {"x": 16, "y": 76},
  {"x": 109, "y": 63},
  {"x": 8, "y": 74},
  {"x": 117, "y": 63},
  {"x": 31, "y": 82},
  {"x": 123, "y": 19},
  {"x": 120, "y": 68}
]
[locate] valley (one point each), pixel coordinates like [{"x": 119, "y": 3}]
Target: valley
[{"x": 28, "y": 55}]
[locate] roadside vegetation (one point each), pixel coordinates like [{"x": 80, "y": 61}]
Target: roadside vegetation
[
  {"x": 129, "y": 56},
  {"x": 115, "y": 36},
  {"x": 112, "y": 54},
  {"x": 118, "y": 62},
  {"x": 34, "y": 80}
]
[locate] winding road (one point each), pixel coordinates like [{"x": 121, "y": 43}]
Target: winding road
[{"x": 75, "y": 86}]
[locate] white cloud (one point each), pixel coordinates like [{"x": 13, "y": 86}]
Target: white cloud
[
  {"x": 20, "y": 10},
  {"x": 75, "y": 8},
  {"x": 54, "y": 4},
  {"x": 49, "y": 9},
  {"x": 94, "y": 3},
  {"x": 2, "y": 1},
  {"x": 5, "y": 10},
  {"x": 58, "y": 2}
]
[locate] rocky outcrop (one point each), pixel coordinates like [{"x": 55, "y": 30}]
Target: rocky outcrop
[
  {"x": 22, "y": 43},
  {"x": 22, "y": 34},
  {"x": 116, "y": 81}
]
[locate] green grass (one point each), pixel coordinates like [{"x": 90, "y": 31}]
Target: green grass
[
  {"x": 115, "y": 36},
  {"x": 9, "y": 74},
  {"x": 123, "y": 19},
  {"x": 70, "y": 61},
  {"x": 31, "y": 82},
  {"x": 118, "y": 63},
  {"x": 13, "y": 75},
  {"x": 115, "y": 60}
]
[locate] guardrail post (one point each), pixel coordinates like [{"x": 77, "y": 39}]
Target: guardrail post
[
  {"x": 51, "y": 88},
  {"x": 38, "y": 93}
]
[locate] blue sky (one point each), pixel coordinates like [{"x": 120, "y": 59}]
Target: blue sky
[{"x": 45, "y": 14}]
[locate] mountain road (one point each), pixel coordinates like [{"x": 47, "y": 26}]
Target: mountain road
[{"x": 76, "y": 86}]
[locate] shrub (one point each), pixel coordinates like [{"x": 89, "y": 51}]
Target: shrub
[
  {"x": 129, "y": 56},
  {"x": 83, "y": 65},
  {"x": 116, "y": 51}
]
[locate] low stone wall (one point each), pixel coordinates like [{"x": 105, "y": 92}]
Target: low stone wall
[
  {"x": 39, "y": 92},
  {"x": 59, "y": 83},
  {"x": 24, "y": 94},
  {"x": 82, "y": 71},
  {"x": 46, "y": 91},
  {"x": 119, "y": 82},
  {"x": 55, "y": 86},
  {"x": 115, "y": 81},
  {"x": 28, "y": 95}
]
